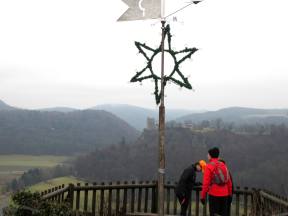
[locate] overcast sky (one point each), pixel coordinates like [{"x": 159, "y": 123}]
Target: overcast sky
[{"x": 74, "y": 53}]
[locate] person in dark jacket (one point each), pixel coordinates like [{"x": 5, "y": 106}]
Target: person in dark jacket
[{"x": 185, "y": 185}]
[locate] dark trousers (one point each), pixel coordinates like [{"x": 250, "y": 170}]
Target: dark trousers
[
  {"x": 218, "y": 206},
  {"x": 185, "y": 204},
  {"x": 229, "y": 206}
]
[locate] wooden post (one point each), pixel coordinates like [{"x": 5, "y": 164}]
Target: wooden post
[
  {"x": 132, "y": 197},
  {"x": 139, "y": 197},
  {"x": 86, "y": 198},
  {"x": 125, "y": 198},
  {"x": 175, "y": 201},
  {"x": 59, "y": 195},
  {"x": 102, "y": 200},
  {"x": 205, "y": 208},
  {"x": 146, "y": 198},
  {"x": 197, "y": 203},
  {"x": 118, "y": 199},
  {"x": 110, "y": 200},
  {"x": 168, "y": 199},
  {"x": 256, "y": 203},
  {"x": 245, "y": 201},
  {"x": 154, "y": 199},
  {"x": 161, "y": 170},
  {"x": 190, "y": 205},
  {"x": 237, "y": 202},
  {"x": 78, "y": 197},
  {"x": 71, "y": 195},
  {"x": 62, "y": 195}
]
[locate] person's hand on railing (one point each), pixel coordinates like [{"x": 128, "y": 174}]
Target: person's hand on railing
[{"x": 183, "y": 201}]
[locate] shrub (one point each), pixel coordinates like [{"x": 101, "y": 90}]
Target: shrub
[{"x": 26, "y": 203}]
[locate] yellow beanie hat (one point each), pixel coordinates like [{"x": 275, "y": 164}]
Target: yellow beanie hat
[{"x": 203, "y": 165}]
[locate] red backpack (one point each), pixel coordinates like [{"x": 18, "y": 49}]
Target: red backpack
[{"x": 220, "y": 175}]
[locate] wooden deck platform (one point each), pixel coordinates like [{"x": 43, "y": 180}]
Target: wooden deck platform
[{"x": 144, "y": 214}]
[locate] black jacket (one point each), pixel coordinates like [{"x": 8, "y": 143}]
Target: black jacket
[{"x": 186, "y": 182}]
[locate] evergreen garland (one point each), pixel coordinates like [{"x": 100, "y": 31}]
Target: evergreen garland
[{"x": 183, "y": 82}]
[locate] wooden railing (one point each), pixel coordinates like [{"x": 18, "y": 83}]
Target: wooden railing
[
  {"x": 267, "y": 203},
  {"x": 119, "y": 198}
]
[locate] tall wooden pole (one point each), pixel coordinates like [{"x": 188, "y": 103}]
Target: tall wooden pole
[{"x": 161, "y": 170}]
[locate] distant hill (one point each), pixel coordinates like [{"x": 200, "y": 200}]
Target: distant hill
[
  {"x": 240, "y": 115},
  {"x": 36, "y": 132},
  {"x": 58, "y": 109},
  {"x": 137, "y": 116},
  {"x": 4, "y": 106}
]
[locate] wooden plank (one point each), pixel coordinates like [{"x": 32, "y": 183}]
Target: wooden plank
[
  {"x": 94, "y": 201},
  {"x": 71, "y": 195},
  {"x": 77, "y": 197},
  {"x": 144, "y": 214},
  {"x": 86, "y": 198},
  {"x": 197, "y": 203},
  {"x": 274, "y": 199},
  {"x": 238, "y": 202},
  {"x": 139, "y": 198},
  {"x": 175, "y": 202},
  {"x": 132, "y": 197},
  {"x": 125, "y": 198},
  {"x": 190, "y": 205},
  {"x": 168, "y": 201},
  {"x": 59, "y": 196},
  {"x": 62, "y": 194},
  {"x": 102, "y": 200},
  {"x": 117, "y": 199},
  {"x": 110, "y": 200},
  {"x": 154, "y": 201},
  {"x": 246, "y": 202},
  {"x": 122, "y": 186},
  {"x": 146, "y": 198},
  {"x": 205, "y": 208}
]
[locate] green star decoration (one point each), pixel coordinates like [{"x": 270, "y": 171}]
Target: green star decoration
[{"x": 141, "y": 75}]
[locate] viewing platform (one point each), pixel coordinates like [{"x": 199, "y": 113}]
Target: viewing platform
[{"x": 140, "y": 199}]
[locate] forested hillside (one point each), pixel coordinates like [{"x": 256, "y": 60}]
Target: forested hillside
[
  {"x": 38, "y": 132},
  {"x": 256, "y": 160}
]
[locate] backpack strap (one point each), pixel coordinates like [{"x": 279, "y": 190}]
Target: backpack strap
[{"x": 220, "y": 176}]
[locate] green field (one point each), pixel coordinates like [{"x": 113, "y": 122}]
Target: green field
[
  {"x": 30, "y": 161},
  {"x": 13, "y": 166}
]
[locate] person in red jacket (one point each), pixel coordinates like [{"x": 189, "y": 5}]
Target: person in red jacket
[{"x": 217, "y": 183}]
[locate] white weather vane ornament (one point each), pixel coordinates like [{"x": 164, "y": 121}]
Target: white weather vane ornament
[
  {"x": 147, "y": 9},
  {"x": 141, "y": 8}
]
